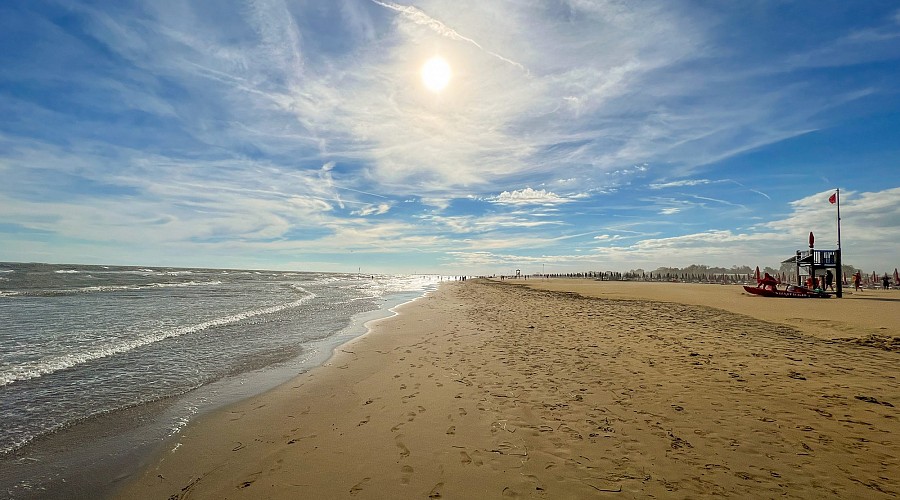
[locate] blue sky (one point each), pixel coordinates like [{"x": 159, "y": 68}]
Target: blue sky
[{"x": 572, "y": 135}]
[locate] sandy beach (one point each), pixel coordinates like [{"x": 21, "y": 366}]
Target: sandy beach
[{"x": 571, "y": 389}]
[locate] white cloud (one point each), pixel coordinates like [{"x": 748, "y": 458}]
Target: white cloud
[
  {"x": 381, "y": 208},
  {"x": 469, "y": 224},
  {"x": 419, "y": 17},
  {"x": 529, "y": 196},
  {"x": 683, "y": 183},
  {"x": 870, "y": 229},
  {"x": 870, "y": 224}
]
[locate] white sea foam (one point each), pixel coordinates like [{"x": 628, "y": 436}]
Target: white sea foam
[
  {"x": 182, "y": 421},
  {"x": 67, "y": 271},
  {"x": 180, "y": 285},
  {"x": 118, "y": 288},
  {"x": 38, "y": 368}
]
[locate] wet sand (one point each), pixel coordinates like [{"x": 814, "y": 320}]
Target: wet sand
[{"x": 493, "y": 390}]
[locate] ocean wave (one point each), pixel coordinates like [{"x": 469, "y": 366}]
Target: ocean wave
[
  {"x": 67, "y": 271},
  {"x": 112, "y": 288},
  {"x": 39, "y": 368},
  {"x": 382, "y": 285},
  {"x": 180, "y": 285}
]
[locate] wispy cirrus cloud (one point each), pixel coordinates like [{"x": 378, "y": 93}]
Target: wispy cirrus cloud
[
  {"x": 417, "y": 16},
  {"x": 381, "y": 208},
  {"x": 266, "y": 124},
  {"x": 681, "y": 183}
]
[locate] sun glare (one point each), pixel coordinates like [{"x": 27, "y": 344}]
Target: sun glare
[{"x": 436, "y": 74}]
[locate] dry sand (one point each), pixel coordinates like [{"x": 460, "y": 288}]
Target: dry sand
[{"x": 492, "y": 390}]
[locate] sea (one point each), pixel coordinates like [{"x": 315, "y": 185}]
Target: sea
[{"x": 102, "y": 366}]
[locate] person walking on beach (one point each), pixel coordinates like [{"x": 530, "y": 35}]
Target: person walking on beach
[
  {"x": 829, "y": 280},
  {"x": 857, "y": 278}
]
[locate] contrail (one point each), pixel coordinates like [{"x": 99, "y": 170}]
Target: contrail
[
  {"x": 419, "y": 17},
  {"x": 361, "y": 192},
  {"x": 761, "y": 193}
]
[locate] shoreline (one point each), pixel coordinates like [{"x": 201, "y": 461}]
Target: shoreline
[
  {"x": 116, "y": 445},
  {"x": 486, "y": 388},
  {"x": 321, "y": 353}
]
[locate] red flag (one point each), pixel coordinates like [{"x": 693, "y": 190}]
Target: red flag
[{"x": 833, "y": 198}]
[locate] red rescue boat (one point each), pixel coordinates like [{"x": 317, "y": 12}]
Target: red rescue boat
[
  {"x": 767, "y": 286},
  {"x": 796, "y": 292}
]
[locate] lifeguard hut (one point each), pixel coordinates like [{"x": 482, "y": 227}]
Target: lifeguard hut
[{"x": 813, "y": 260}]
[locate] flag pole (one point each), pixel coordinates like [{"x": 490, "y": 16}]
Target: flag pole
[
  {"x": 838, "y": 200},
  {"x": 839, "y": 265}
]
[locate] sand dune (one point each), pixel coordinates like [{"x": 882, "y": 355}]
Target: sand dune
[{"x": 494, "y": 390}]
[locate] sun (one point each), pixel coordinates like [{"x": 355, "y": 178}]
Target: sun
[{"x": 436, "y": 74}]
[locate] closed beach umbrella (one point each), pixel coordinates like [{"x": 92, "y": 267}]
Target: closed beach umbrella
[
  {"x": 874, "y": 277},
  {"x": 812, "y": 240},
  {"x": 896, "y": 277},
  {"x": 757, "y": 273}
]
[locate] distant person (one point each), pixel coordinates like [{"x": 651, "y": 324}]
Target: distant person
[
  {"x": 829, "y": 280},
  {"x": 768, "y": 282},
  {"x": 885, "y": 281},
  {"x": 857, "y": 280}
]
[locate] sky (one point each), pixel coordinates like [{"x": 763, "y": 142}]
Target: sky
[{"x": 570, "y": 135}]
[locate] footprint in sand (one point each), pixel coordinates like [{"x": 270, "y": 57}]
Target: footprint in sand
[
  {"x": 451, "y": 430},
  {"x": 463, "y": 412},
  {"x": 464, "y": 458},
  {"x": 538, "y": 485},
  {"x": 407, "y": 472},
  {"x": 509, "y": 493},
  {"x": 359, "y": 486},
  {"x": 404, "y": 451},
  {"x": 436, "y": 491}
]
